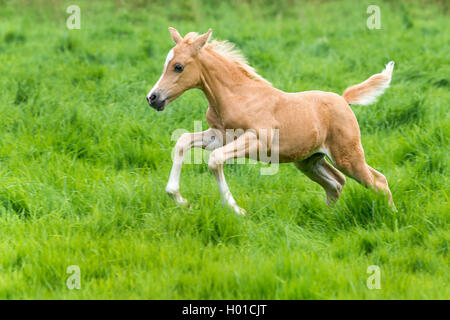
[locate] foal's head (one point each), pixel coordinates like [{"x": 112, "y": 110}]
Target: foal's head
[{"x": 181, "y": 70}]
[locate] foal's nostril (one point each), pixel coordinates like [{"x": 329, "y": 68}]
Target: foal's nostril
[{"x": 154, "y": 100}]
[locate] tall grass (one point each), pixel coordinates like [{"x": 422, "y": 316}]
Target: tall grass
[{"x": 84, "y": 161}]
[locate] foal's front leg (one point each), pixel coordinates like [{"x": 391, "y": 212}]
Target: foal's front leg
[
  {"x": 209, "y": 139},
  {"x": 246, "y": 144}
]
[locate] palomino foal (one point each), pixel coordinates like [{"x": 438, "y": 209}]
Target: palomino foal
[{"x": 310, "y": 124}]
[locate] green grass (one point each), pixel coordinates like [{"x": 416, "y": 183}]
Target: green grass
[{"x": 84, "y": 161}]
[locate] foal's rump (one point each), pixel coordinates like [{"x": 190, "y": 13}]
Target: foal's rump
[{"x": 317, "y": 121}]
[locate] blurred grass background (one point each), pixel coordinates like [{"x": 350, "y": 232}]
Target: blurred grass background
[{"x": 84, "y": 160}]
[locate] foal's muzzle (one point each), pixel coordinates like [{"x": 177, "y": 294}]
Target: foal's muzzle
[{"x": 155, "y": 101}]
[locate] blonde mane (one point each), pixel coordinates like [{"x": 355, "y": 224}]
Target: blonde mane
[{"x": 228, "y": 50}]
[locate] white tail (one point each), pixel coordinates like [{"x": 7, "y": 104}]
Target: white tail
[{"x": 367, "y": 92}]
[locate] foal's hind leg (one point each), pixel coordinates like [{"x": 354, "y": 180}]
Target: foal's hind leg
[
  {"x": 381, "y": 183},
  {"x": 321, "y": 171},
  {"x": 351, "y": 161}
]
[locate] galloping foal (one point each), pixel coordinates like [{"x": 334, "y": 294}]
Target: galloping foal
[{"x": 310, "y": 124}]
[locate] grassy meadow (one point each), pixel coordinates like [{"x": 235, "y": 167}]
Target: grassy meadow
[{"x": 84, "y": 161}]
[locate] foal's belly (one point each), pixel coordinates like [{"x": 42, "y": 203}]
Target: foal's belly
[
  {"x": 299, "y": 146},
  {"x": 303, "y": 126}
]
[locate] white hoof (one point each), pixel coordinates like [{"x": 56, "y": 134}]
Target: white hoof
[
  {"x": 239, "y": 210},
  {"x": 176, "y": 196}
]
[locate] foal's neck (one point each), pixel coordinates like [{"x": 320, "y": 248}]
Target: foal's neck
[{"x": 220, "y": 79}]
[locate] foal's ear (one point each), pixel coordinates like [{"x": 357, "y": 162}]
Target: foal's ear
[
  {"x": 175, "y": 35},
  {"x": 202, "y": 40}
]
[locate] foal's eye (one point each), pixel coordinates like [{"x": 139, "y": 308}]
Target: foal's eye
[{"x": 178, "y": 67}]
